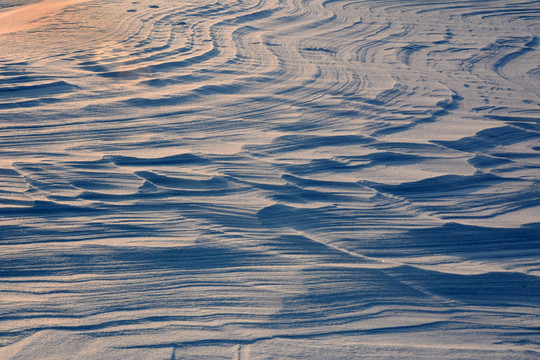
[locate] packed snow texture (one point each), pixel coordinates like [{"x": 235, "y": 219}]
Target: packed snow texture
[{"x": 270, "y": 179}]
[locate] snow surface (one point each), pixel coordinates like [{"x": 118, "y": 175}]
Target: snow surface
[{"x": 270, "y": 179}]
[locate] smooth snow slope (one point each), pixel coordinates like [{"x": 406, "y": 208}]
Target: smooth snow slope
[{"x": 294, "y": 179}]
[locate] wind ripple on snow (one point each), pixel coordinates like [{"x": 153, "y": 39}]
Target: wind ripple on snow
[{"x": 271, "y": 179}]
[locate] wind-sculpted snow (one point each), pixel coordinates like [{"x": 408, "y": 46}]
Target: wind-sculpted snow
[{"x": 270, "y": 179}]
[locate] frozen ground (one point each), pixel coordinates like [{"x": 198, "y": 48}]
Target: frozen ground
[{"x": 294, "y": 179}]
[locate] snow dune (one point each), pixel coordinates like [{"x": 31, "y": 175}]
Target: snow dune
[{"x": 263, "y": 179}]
